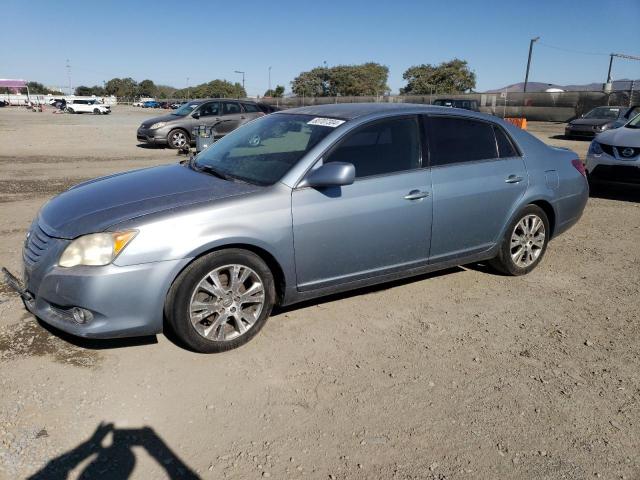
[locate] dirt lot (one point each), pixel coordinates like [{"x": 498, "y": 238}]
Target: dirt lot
[{"x": 462, "y": 374}]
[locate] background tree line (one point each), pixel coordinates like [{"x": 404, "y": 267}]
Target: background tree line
[{"x": 368, "y": 79}]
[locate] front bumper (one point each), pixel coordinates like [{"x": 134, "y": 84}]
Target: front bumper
[
  {"x": 586, "y": 131},
  {"x": 153, "y": 137},
  {"x": 123, "y": 301},
  {"x": 608, "y": 168}
]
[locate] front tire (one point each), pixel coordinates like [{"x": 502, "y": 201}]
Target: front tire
[
  {"x": 96, "y": 111},
  {"x": 221, "y": 300},
  {"x": 524, "y": 243},
  {"x": 178, "y": 138},
  {"x": 69, "y": 110}
]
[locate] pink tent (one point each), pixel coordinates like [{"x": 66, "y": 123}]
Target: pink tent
[{"x": 13, "y": 83}]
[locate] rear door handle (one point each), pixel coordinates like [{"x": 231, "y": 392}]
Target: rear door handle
[
  {"x": 513, "y": 179},
  {"x": 416, "y": 195}
]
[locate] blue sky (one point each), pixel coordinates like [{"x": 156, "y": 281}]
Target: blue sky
[{"x": 168, "y": 41}]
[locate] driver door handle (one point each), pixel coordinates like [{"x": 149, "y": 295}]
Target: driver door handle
[
  {"x": 513, "y": 179},
  {"x": 416, "y": 195}
]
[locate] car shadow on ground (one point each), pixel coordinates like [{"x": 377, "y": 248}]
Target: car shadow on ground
[
  {"x": 149, "y": 146},
  {"x": 564, "y": 137},
  {"x": 110, "y": 455},
  {"x": 615, "y": 191}
]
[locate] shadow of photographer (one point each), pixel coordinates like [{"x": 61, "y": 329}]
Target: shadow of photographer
[{"x": 116, "y": 460}]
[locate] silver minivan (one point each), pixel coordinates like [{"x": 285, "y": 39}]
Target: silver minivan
[{"x": 174, "y": 129}]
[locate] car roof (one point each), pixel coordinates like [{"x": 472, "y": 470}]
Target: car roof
[{"x": 350, "y": 111}]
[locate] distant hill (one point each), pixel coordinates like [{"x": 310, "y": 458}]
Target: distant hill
[{"x": 623, "y": 84}]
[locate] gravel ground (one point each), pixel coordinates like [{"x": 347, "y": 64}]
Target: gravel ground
[{"x": 459, "y": 374}]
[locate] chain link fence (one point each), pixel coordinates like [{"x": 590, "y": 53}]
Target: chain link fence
[{"x": 542, "y": 106}]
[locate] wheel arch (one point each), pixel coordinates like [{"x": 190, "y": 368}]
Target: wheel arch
[
  {"x": 277, "y": 271},
  {"x": 549, "y": 211}
]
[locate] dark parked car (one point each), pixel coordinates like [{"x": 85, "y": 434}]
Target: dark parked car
[
  {"x": 454, "y": 103},
  {"x": 598, "y": 120},
  {"x": 293, "y": 206},
  {"x": 267, "y": 109},
  {"x": 174, "y": 129}
]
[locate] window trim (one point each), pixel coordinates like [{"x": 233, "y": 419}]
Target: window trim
[
  {"x": 494, "y": 125},
  {"x": 414, "y": 117}
]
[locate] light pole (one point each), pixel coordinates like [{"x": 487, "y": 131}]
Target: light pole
[
  {"x": 238, "y": 71},
  {"x": 270, "y": 79},
  {"x": 526, "y": 77},
  {"x": 188, "y": 90}
]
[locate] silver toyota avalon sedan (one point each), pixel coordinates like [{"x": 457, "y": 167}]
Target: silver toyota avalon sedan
[{"x": 292, "y": 206}]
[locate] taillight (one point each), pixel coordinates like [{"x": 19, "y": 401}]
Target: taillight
[{"x": 579, "y": 166}]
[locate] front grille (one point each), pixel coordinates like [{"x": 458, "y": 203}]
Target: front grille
[
  {"x": 621, "y": 173},
  {"x": 608, "y": 149},
  {"x": 35, "y": 246}
]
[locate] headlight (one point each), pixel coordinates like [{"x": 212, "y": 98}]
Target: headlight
[
  {"x": 595, "y": 148},
  {"x": 158, "y": 125},
  {"x": 95, "y": 248}
]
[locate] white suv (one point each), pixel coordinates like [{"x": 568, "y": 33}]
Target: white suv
[
  {"x": 87, "y": 106},
  {"x": 614, "y": 155}
]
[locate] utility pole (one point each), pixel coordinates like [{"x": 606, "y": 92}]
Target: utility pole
[
  {"x": 270, "y": 79},
  {"x": 188, "y": 90},
  {"x": 69, "y": 77},
  {"x": 608, "y": 85},
  {"x": 238, "y": 71},
  {"x": 526, "y": 77}
]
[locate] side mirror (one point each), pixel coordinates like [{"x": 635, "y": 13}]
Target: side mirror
[
  {"x": 333, "y": 174},
  {"x": 195, "y": 115}
]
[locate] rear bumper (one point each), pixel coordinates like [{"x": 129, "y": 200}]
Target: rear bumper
[{"x": 122, "y": 301}]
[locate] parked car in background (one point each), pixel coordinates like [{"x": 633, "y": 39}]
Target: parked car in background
[
  {"x": 614, "y": 155},
  {"x": 87, "y": 106},
  {"x": 151, "y": 104},
  {"x": 137, "y": 104},
  {"x": 177, "y": 105},
  {"x": 175, "y": 128},
  {"x": 595, "y": 121},
  {"x": 455, "y": 103},
  {"x": 266, "y": 108},
  {"x": 292, "y": 206}
]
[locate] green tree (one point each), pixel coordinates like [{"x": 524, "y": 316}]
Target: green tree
[
  {"x": 347, "y": 80},
  {"x": 165, "y": 91},
  {"x": 39, "y": 89},
  {"x": 213, "y": 89},
  {"x": 122, "y": 87},
  {"x": 146, "y": 88},
  {"x": 453, "y": 76},
  {"x": 82, "y": 90},
  {"x": 278, "y": 92}
]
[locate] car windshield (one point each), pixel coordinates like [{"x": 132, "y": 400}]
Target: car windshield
[
  {"x": 603, "y": 112},
  {"x": 262, "y": 151},
  {"x": 634, "y": 122},
  {"x": 185, "y": 109}
]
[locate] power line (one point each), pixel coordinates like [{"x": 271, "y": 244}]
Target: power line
[{"x": 581, "y": 52}]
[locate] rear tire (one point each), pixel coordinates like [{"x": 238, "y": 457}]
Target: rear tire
[
  {"x": 221, "y": 300},
  {"x": 524, "y": 243},
  {"x": 178, "y": 138}
]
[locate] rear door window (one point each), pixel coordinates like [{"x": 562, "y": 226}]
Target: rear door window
[
  {"x": 209, "y": 109},
  {"x": 231, "y": 108},
  {"x": 382, "y": 147},
  {"x": 458, "y": 140},
  {"x": 251, "y": 108}
]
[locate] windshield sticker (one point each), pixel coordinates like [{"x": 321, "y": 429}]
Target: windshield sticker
[{"x": 326, "y": 122}]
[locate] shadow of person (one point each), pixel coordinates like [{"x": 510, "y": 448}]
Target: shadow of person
[{"x": 117, "y": 460}]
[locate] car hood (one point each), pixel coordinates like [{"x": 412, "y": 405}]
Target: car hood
[
  {"x": 591, "y": 121},
  {"x": 96, "y": 205},
  {"x": 621, "y": 137},
  {"x": 162, "y": 118}
]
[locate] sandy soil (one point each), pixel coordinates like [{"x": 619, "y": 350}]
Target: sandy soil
[{"x": 461, "y": 374}]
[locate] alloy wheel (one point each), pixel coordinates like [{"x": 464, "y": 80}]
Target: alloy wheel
[
  {"x": 227, "y": 302},
  {"x": 178, "y": 139},
  {"x": 527, "y": 240}
]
